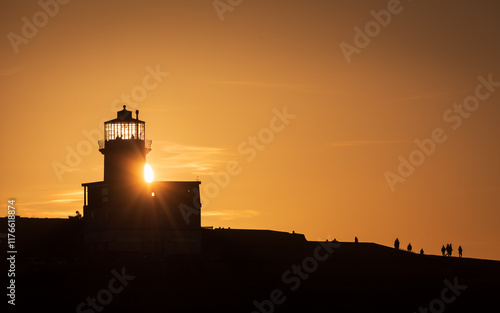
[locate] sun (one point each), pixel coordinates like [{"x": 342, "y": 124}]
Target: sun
[{"x": 148, "y": 173}]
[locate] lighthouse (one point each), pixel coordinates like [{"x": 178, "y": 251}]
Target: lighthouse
[{"x": 126, "y": 213}]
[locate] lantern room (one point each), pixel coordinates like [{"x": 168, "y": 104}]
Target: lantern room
[{"x": 124, "y": 127}]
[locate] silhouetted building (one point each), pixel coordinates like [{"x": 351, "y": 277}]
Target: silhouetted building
[{"x": 124, "y": 212}]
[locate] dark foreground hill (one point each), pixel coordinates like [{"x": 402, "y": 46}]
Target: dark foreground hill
[{"x": 246, "y": 271}]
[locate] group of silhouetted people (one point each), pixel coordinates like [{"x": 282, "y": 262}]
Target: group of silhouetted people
[{"x": 448, "y": 249}]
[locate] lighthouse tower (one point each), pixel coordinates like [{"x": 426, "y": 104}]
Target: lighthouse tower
[
  {"x": 124, "y": 148},
  {"x": 124, "y": 213}
]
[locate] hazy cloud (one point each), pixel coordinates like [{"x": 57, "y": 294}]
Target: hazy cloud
[
  {"x": 424, "y": 96},
  {"x": 231, "y": 214},
  {"x": 197, "y": 159},
  {"x": 255, "y": 84},
  {"x": 51, "y": 201},
  {"x": 350, "y": 143},
  {"x": 8, "y": 71},
  {"x": 73, "y": 193}
]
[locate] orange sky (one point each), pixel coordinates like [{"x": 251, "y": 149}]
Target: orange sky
[{"x": 230, "y": 69}]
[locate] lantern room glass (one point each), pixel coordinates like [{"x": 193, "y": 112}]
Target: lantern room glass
[{"x": 124, "y": 130}]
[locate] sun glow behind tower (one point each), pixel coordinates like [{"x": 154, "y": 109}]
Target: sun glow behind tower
[{"x": 148, "y": 173}]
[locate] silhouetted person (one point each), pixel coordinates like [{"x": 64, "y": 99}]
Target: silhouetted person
[
  {"x": 396, "y": 244},
  {"x": 409, "y": 247},
  {"x": 334, "y": 239},
  {"x": 421, "y": 251},
  {"x": 448, "y": 253},
  {"x": 355, "y": 239},
  {"x": 451, "y": 249},
  {"x": 443, "y": 250},
  {"x": 460, "y": 251}
]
